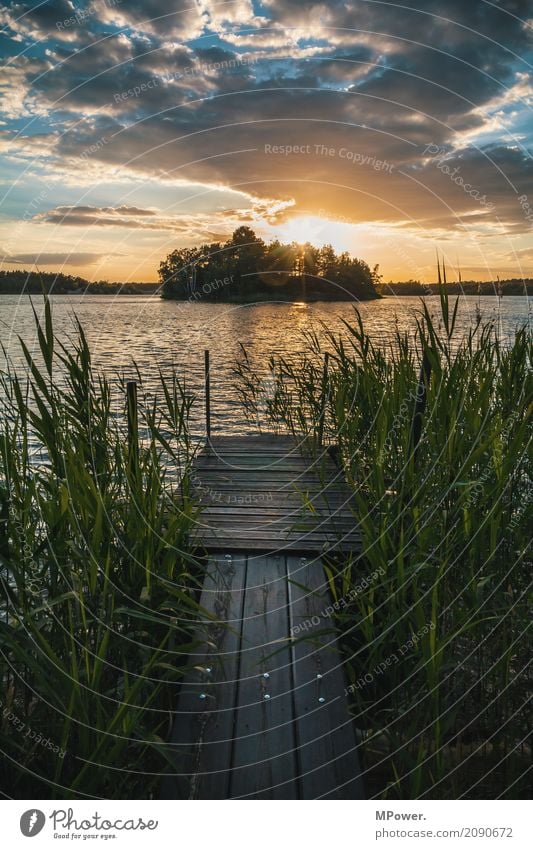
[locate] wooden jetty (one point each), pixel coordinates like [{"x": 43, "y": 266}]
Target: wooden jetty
[
  {"x": 263, "y": 493},
  {"x": 262, "y": 713}
]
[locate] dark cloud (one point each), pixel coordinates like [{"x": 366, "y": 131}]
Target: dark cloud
[
  {"x": 41, "y": 20},
  {"x": 198, "y": 226},
  {"x": 391, "y": 81},
  {"x": 335, "y": 163},
  {"x": 106, "y": 216},
  {"x": 181, "y": 19},
  {"x": 90, "y": 211}
]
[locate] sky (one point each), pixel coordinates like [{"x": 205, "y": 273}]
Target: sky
[{"x": 390, "y": 130}]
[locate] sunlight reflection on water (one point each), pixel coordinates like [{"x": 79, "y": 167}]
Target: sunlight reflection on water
[{"x": 160, "y": 335}]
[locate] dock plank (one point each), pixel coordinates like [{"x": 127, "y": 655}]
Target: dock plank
[
  {"x": 282, "y": 498},
  {"x": 202, "y": 738},
  {"x": 329, "y": 766},
  {"x": 264, "y": 758}
]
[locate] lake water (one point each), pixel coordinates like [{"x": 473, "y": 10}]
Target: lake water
[{"x": 160, "y": 335}]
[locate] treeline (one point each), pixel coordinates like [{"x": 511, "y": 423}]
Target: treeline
[
  {"x": 514, "y": 286},
  {"x": 246, "y": 269},
  {"x": 57, "y": 283}
]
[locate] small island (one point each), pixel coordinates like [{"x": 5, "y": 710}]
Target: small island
[{"x": 245, "y": 269}]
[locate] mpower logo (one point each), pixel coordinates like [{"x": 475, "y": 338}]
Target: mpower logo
[{"x": 32, "y": 822}]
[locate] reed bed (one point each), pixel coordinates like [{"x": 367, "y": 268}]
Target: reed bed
[
  {"x": 433, "y": 615},
  {"x": 99, "y": 589}
]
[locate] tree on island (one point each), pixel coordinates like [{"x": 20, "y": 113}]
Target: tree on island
[{"x": 245, "y": 268}]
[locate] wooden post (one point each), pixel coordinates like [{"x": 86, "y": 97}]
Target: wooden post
[
  {"x": 133, "y": 427},
  {"x": 207, "y": 397},
  {"x": 323, "y": 400}
]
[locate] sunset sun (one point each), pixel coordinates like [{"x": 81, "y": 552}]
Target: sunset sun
[{"x": 317, "y": 231}]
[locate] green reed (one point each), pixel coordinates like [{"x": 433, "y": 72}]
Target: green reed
[
  {"x": 99, "y": 588},
  {"x": 435, "y": 646}
]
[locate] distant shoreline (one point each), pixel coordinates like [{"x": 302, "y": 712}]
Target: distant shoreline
[
  {"x": 505, "y": 288},
  {"x": 29, "y": 283}
]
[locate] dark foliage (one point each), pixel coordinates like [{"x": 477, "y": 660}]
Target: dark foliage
[
  {"x": 56, "y": 283},
  {"x": 246, "y": 269}
]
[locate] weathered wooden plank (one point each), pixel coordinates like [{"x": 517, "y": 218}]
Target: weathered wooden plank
[
  {"x": 264, "y": 759},
  {"x": 254, "y": 457},
  {"x": 253, "y": 439},
  {"x": 269, "y": 472},
  {"x": 270, "y": 483},
  {"x": 275, "y": 514},
  {"x": 275, "y": 542},
  {"x": 329, "y": 525},
  {"x": 280, "y": 530},
  {"x": 245, "y": 488},
  {"x": 246, "y": 445},
  {"x": 250, "y": 449},
  {"x": 201, "y": 742},
  {"x": 329, "y": 765},
  {"x": 262, "y": 528},
  {"x": 286, "y": 490},
  {"x": 279, "y": 534},
  {"x": 262, "y": 455},
  {"x": 295, "y": 509},
  {"x": 257, "y": 530},
  {"x": 274, "y": 476},
  {"x": 221, "y": 542},
  {"x": 266, "y": 511},
  {"x": 252, "y": 454},
  {"x": 269, "y": 546},
  {"x": 291, "y": 525},
  {"x": 228, "y": 495}
]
